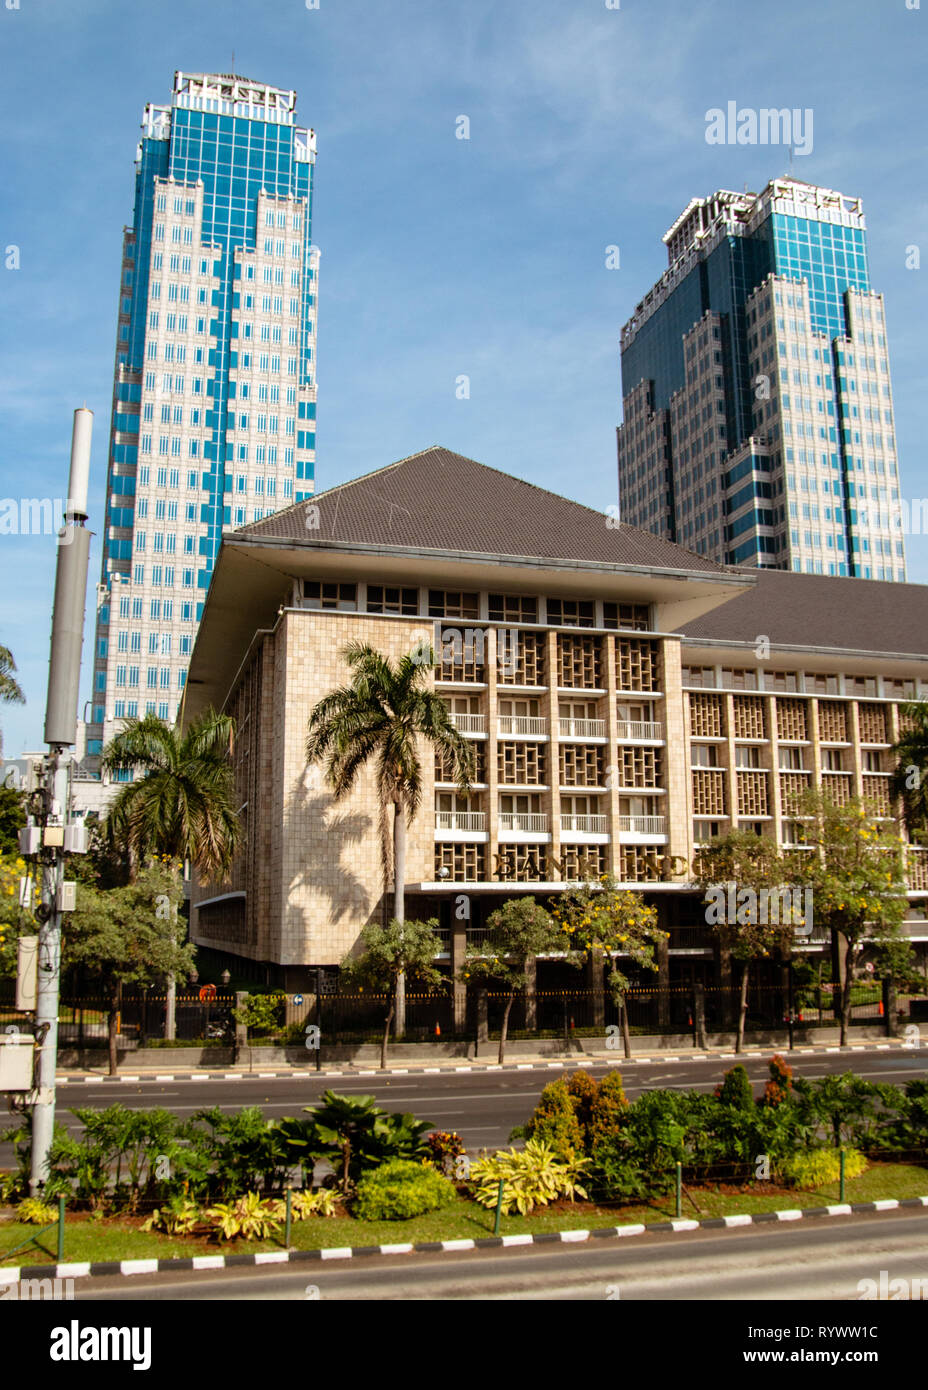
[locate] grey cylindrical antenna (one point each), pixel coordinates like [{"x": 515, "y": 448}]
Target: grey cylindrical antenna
[
  {"x": 79, "y": 479},
  {"x": 64, "y": 667}
]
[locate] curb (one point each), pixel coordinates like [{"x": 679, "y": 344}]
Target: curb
[
  {"x": 432, "y": 1247},
  {"x": 475, "y": 1068}
]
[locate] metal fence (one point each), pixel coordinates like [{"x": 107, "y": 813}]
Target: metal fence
[{"x": 360, "y": 1018}]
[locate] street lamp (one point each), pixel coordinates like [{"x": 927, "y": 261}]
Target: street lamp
[{"x": 225, "y": 977}]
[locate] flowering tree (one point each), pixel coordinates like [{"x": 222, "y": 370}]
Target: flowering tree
[
  {"x": 750, "y": 865},
  {"x": 599, "y": 916},
  {"x": 388, "y": 956},
  {"x": 518, "y": 931},
  {"x": 128, "y": 935},
  {"x": 14, "y": 920},
  {"x": 857, "y": 878}
]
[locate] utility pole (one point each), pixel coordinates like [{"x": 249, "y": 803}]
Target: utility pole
[{"x": 55, "y": 837}]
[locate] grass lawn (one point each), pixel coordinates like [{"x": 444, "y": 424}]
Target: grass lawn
[{"x": 121, "y": 1238}]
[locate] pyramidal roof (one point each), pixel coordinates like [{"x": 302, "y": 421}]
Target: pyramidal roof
[{"x": 439, "y": 500}]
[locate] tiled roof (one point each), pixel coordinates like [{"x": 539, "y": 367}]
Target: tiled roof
[
  {"x": 439, "y": 500},
  {"x": 811, "y": 610}
]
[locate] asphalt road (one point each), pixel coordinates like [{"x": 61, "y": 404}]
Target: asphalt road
[
  {"x": 483, "y": 1107},
  {"x": 823, "y": 1258}
]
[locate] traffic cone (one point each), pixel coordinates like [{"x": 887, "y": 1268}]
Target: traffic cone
[{"x": 437, "y": 1030}]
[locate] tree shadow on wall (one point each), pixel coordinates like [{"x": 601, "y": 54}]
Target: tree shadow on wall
[{"x": 347, "y": 896}]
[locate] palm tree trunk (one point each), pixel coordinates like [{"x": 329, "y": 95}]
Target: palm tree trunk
[
  {"x": 399, "y": 905},
  {"x": 505, "y": 1028},
  {"x": 742, "y": 1007}
]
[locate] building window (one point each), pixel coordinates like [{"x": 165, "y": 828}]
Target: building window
[
  {"x": 513, "y": 608},
  {"x": 381, "y": 599},
  {"x": 627, "y": 615},
  {"x": 452, "y": 603},
  {"x": 705, "y": 755},
  {"x": 568, "y": 612},
  {"x": 330, "y": 595}
]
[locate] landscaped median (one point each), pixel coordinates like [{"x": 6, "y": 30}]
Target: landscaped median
[
  {"x": 115, "y": 1240},
  {"x": 148, "y": 1186}
]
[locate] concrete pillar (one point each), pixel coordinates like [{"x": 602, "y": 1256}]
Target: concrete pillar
[{"x": 459, "y": 986}]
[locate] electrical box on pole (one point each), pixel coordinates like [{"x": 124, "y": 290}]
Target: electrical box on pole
[{"x": 16, "y": 1061}]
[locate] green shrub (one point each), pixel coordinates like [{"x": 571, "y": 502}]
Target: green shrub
[
  {"x": 819, "y": 1166},
  {"x": 736, "y": 1089},
  {"x": 583, "y": 1090},
  {"x": 399, "y": 1190},
  {"x": 607, "y": 1111},
  {"x": 849, "y": 1109},
  {"x": 322, "y": 1202},
  {"x": 637, "y": 1160},
  {"x": 555, "y": 1121},
  {"x": 531, "y": 1178},
  {"x": 251, "y": 1217},
  {"x": 36, "y": 1212},
  {"x": 178, "y": 1217}
]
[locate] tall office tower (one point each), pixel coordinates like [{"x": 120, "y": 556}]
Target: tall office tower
[
  {"x": 758, "y": 413},
  {"x": 214, "y": 397}
]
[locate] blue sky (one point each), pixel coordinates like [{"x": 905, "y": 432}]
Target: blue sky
[{"x": 440, "y": 256}]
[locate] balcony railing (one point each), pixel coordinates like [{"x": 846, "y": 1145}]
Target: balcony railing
[
  {"x": 589, "y": 825},
  {"x": 582, "y": 728},
  {"x": 638, "y": 728},
  {"x": 460, "y": 820},
  {"x": 468, "y": 723},
  {"x": 523, "y": 821},
  {"x": 522, "y": 724},
  {"x": 643, "y": 825}
]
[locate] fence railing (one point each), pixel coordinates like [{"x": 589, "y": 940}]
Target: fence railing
[
  {"x": 582, "y": 728},
  {"x": 533, "y": 822},
  {"x": 640, "y": 728},
  {"x": 357, "y": 1018},
  {"x": 643, "y": 825},
  {"x": 521, "y": 724},
  {"x": 588, "y": 825}
]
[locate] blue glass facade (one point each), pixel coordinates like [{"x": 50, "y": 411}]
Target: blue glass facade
[
  {"x": 215, "y": 368},
  {"x": 236, "y": 158},
  {"x": 716, "y": 395},
  {"x": 831, "y": 258}
]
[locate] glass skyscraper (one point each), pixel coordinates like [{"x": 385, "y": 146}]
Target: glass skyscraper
[
  {"x": 214, "y": 399},
  {"x": 758, "y": 416}
]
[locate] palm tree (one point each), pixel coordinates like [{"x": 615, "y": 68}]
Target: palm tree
[
  {"x": 909, "y": 781},
  {"x": 183, "y": 805},
  {"x": 381, "y": 714},
  {"x": 11, "y": 692}
]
